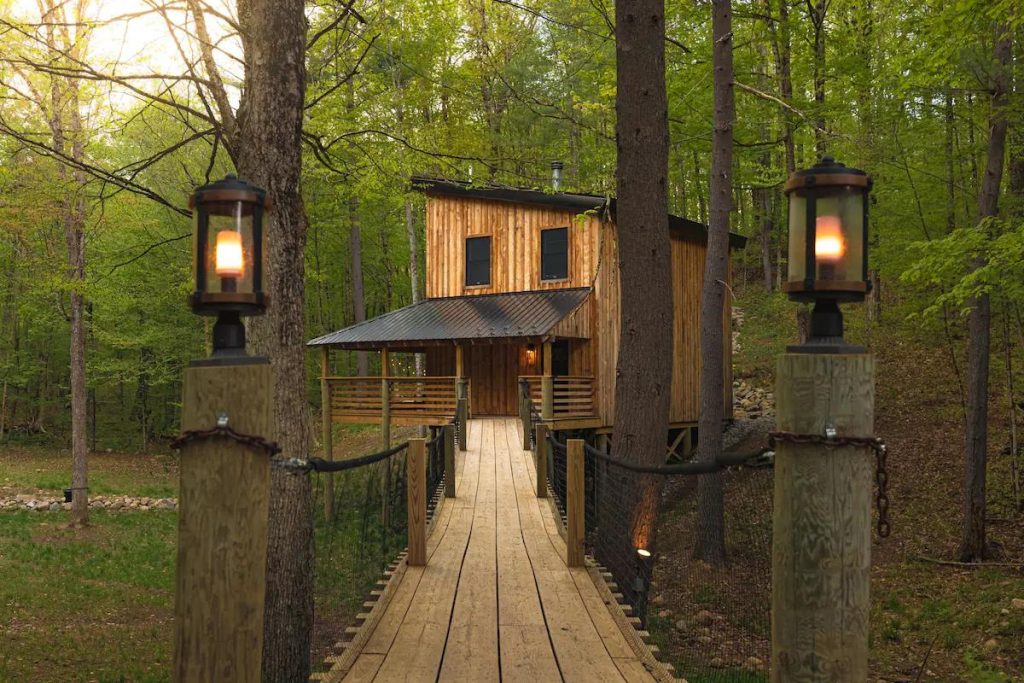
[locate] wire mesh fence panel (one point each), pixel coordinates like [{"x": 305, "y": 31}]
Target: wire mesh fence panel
[
  {"x": 367, "y": 532},
  {"x": 716, "y": 620},
  {"x": 645, "y": 526}
]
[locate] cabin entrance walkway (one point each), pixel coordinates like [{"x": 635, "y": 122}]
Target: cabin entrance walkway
[{"x": 496, "y": 601}]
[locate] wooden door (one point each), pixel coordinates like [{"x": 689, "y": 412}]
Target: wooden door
[{"x": 493, "y": 373}]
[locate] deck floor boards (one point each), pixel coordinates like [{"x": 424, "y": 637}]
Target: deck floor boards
[{"x": 496, "y": 601}]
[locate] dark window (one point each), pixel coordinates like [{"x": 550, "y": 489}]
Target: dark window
[
  {"x": 560, "y": 357},
  {"x": 554, "y": 254},
  {"x": 478, "y": 260}
]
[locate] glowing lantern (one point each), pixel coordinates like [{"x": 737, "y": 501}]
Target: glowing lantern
[
  {"x": 828, "y": 248},
  {"x": 229, "y": 253}
]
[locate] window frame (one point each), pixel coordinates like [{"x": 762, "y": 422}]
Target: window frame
[
  {"x": 562, "y": 278},
  {"x": 490, "y": 258}
]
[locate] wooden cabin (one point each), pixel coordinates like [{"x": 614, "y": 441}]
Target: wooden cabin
[{"x": 522, "y": 288}]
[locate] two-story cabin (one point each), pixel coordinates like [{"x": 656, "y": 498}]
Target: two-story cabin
[{"x": 520, "y": 285}]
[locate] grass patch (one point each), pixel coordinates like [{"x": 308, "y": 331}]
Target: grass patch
[
  {"x": 109, "y": 473},
  {"x": 87, "y": 604}
]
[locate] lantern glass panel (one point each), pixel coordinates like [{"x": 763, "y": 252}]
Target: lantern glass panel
[
  {"x": 229, "y": 247},
  {"x": 839, "y": 234},
  {"x": 797, "y": 237}
]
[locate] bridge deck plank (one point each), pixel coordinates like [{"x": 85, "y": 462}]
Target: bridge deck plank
[{"x": 496, "y": 600}]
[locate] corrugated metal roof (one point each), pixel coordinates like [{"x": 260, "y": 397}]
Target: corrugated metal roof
[{"x": 463, "y": 318}]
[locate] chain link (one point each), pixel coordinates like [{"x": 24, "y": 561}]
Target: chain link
[
  {"x": 270, "y": 447},
  {"x": 881, "y": 471}
]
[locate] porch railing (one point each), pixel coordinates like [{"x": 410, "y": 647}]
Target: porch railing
[
  {"x": 570, "y": 396},
  {"x": 412, "y": 400}
]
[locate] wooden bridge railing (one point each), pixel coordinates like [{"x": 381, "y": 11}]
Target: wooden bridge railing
[
  {"x": 409, "y": 400},
  {"x": 562, "y": 397}
]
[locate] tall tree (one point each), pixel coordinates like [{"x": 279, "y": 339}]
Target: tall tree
[
  {"x": 644, "y": 371},
  {"x": 66, "y": 40},
  {"x": 972, "y": 539},
  {"x": 710, "y": 541},
  {"x": 817, "y": 10},
  {"x": 269, "y": 154}
]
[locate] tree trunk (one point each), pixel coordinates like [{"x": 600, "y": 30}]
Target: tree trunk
[
  {"x": 710, "y": 542},
  {"x": 355, "y": 246},
  {"x": 414, "y": 270},
  {"x": 972, "y": 542},
  {"x": 817, "y": 12},
  {"x": 642, "y": 390},
  {"x": 702, "y": 205},
  {"x": 64, "y": 101},
  {"x": 269, "y": 155}
]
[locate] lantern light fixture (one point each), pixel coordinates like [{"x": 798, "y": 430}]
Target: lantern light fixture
[
  {"x": 828, "y": 248},
  {"x": 229, "y": 257},
  {"x": 531, "y": 354}
]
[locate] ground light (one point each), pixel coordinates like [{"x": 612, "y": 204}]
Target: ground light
[
  {"x": 229, "y": 254},
  {"x": 641, "y": 581},
  {"x": 828, "y": 248}
]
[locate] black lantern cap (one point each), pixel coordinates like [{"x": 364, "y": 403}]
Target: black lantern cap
[
  {"x": 230, "y": 188},
  {"x": 828, "y": 171}
]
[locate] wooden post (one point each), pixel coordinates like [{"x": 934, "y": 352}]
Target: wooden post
[
  {"x": 224, "y": 502},
  {"x": 416, "y": 502},
  {"x": 821, "y": 550},
  {"x": 542, "y": 460},
  {"x": 547, "y": 398},
  {"x": 575, "y": 502},
  {"x": 449, "y": 461},
  {"x": 462, "y": 410},
  {"x": 524, "y": 412},
  {"x": 328, "y": 436}
]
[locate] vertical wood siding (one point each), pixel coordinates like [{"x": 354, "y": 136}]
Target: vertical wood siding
[{"x": 593, "y": 261}]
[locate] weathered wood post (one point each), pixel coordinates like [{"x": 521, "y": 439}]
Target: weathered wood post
[
  {"x": 547, "y": 385},
  {"x": 547, "y": 398},
  {"x": 542, "y": 460},
  {"x": 416, "y": 501},
  {"x": 222, "y": 525},
  {"x": 449, "y": 461},
  {"x": 821, "y": 550},
  {"x": 524, "y": 411},
  {"x": 825, "y": 458},
  {"x": 462, "y": 412},
  {"x": 328, "y": 432},
  {"x": 575, "y": 501}
]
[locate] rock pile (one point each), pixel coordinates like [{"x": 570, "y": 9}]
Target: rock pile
[
  {"x": 750, "y": 403},
  {"x": 737, "y": 324},
  {"x": 41, "y": 503}
]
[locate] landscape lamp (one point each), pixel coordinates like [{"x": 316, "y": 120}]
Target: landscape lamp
[
  {"x": 229, "y": 257},
  {"x": 828, "y": 248}
]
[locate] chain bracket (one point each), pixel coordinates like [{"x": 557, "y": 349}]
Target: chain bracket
[
  {"x": 832, "y": 441},
  {"x": 223, "y": 430}
]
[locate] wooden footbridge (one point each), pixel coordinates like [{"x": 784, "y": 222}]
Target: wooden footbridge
[{"x": 496, "y": 600}]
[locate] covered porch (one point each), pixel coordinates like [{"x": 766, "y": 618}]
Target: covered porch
[{"x": 486, "y": 349}]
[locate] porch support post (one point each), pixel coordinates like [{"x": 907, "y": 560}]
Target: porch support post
[
  {"x": 385, "y": 400},
  {"x": 547, "y": 397},
  {"x": 325, "y": 418},
  {"x": 547, "y": 387},
  {"x": 461, "y": 394}
]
